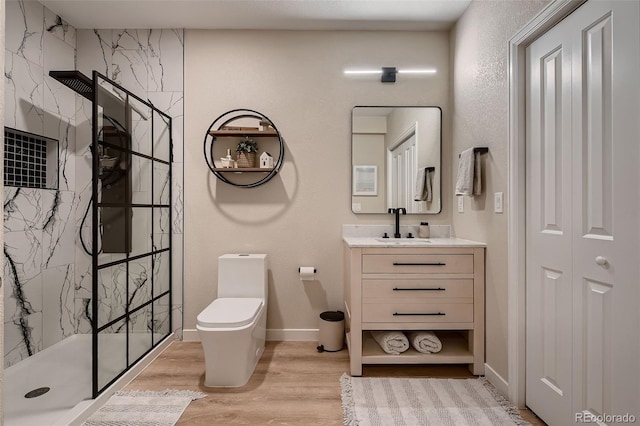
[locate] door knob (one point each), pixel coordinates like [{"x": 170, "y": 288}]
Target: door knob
[{"x": 602, "y": 261}]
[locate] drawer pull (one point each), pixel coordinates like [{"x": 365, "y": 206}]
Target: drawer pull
[
  {"x": 418, "y": 289},
  {"x": 419, "y": 264},
  {"x": 398, "y": 314}
]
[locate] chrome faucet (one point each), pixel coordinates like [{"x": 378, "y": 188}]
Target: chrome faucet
[{"x": 397, "y": 212}]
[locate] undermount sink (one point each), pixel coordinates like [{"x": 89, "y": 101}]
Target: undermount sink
[{"x": 416, "y": 241}]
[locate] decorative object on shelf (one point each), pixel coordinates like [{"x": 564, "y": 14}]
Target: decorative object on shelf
[
  {"x": 246, "y": 160},
  {"x": 266, "y": 161},
  {"x": 240, "y": 128},
  {"x": 228, "y": 162},
  {"x": 265, "y": 126},
  {"x": 247, "y": 150}
]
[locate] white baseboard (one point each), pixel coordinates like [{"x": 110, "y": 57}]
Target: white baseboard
[
  {"x": 286, "y": 334},
  {"x": 293, "y": 334},
  {"x": 190, "y": 335},
  {"x": 496, "y": 380}
]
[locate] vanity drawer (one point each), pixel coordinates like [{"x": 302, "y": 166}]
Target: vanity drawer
[
  {"x": 417, "y": 289},
  {"x": 417, "y": 263},
  {"x": 417, "y": 312}
]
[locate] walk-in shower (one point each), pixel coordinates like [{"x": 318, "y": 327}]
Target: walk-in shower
[{"x": 125, "y": 234}]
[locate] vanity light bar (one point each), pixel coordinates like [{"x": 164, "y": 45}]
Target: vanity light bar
[
  {"x": 424, "y": 71},
  {"x": 388, "y": 74},
  {"x": 363, "y": 71}
]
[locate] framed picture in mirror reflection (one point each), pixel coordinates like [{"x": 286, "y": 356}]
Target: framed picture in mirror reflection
[{"x": 365, "y": 180}]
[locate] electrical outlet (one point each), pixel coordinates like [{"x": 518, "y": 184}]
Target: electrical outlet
[
  {"x": 460, "y": 204},
  {"x": 497, "y": 203}
]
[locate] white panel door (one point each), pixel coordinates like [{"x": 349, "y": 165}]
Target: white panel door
[
  {"x": 583, "y": 233},
  {"x": 404, "y": 161},
  {"x": 549, "y": 264},
  {"x": 606, "y": 231}
]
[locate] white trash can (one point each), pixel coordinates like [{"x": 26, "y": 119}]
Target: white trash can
[{"x": 331, "y": 331}]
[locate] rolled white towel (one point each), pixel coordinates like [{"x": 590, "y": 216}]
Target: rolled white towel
[
  {"x": 392, "y": 342},
  {"x": 425, "y": 341}
]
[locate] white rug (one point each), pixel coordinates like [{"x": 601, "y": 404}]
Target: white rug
[
  {"x": 409, "y": 402},
  {"x": 143, "y": 408}
]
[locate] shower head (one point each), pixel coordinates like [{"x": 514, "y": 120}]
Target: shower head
[
  {"x": 83, "y": 85},
  {"x": 76, "y": 81}
]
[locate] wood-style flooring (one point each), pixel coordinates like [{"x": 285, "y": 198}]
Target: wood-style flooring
[{"x": 293, "y": 384}]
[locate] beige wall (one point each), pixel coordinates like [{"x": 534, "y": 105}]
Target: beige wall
[
  {"x": 296, "y": 79},
  {"x": 480, "y": 100}
]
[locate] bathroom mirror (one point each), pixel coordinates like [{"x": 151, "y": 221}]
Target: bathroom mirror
[{"x": 396, "y": 159}]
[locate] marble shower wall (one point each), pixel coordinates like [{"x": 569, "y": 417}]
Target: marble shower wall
[
  {"x": 47, "y": 275},
  {"x": 39, "y": 258},
  {"x": 149, "y": 63}
]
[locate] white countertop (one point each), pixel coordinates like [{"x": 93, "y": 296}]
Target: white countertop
[
  {"x": 370, "y": 236},
  {"x": 415, "y": 242}
]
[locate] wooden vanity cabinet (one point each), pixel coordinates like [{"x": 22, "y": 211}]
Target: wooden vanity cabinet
[{"x": 415, "y": 288}]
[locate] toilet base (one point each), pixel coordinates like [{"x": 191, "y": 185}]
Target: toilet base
[{"x": 231, "y": 355}]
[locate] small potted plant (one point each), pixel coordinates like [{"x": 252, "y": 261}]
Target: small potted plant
[{"x": 247, "y": 152}]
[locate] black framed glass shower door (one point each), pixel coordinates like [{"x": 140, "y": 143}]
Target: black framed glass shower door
[{"x": 131, "y": 256}]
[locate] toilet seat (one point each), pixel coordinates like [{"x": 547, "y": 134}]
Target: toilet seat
[{"x": 229, "y": 312}]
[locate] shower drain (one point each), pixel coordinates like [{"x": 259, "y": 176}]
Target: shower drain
[{"x": 37, "y": 392}]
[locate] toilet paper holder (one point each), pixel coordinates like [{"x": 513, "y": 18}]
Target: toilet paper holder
[{"x": 307, "y": 273}]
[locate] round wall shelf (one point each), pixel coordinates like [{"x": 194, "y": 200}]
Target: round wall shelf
[{"x": 224, "y": 134}]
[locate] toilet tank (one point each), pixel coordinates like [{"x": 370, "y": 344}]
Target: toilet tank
[{"x": 242, "y": 275}]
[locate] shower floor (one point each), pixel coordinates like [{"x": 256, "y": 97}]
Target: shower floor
[{"x": 65, "y": 368}]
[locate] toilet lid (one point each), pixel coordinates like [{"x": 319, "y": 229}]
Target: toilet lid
[{"x": 229, "y": 312}]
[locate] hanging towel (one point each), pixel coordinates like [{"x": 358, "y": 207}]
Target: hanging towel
[
  {"x": 392, "y": 342},
  {"x": 425, "y": 342},
  {"x": 428, "y": 184},
  {"x": 477, "y": 174},
  {"x": 464, "y": 183},
  {"x": 420, "y": 193},
  {"x": 469, "y": 181},
  {"x": 424, "y": 185}
]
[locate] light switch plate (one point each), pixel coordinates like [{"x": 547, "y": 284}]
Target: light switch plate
[
  {"x": 497, "y": 202},
  {"x": 460, "y": 204}
]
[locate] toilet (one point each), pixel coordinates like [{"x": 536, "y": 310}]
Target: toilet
[{"x": 232, "y": 328}]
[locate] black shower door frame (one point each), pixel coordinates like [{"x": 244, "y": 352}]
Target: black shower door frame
[{"x": 128, "y": 206}]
